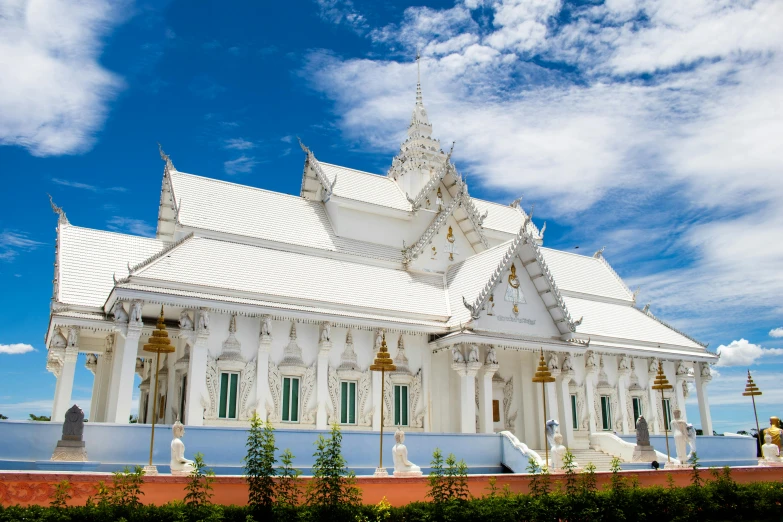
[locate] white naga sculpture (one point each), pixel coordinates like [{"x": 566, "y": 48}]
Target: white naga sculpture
[
  {"x": 770, "y": 453},
  {"x": 473, "y": 355},
  {"x": 456, "y": 356},
  {"x": 184, "y": 321},
  {"x": 179, "y": 464},
  {"x": 558, "y": 454},
  {"x": 402, "y": 466},
  {"x": 492, "y": 357},
  {"x": 680, "y": 433}
]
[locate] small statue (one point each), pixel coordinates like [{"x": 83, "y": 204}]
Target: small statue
[
  {"x": 179, "y": 464},
  {"x": 184, "y": 321},
  {"x": 73, "y": 427},
  {"x": 402, "y": 466},
  {"x": 706, "y": 373},
  {"x": 624, "y": 363},
  {"x": 691, "y": 433},
  {"x": 568, "y": 365},
  {"x": 643, "y": 451},
  {"x": 680, "y": 433},
  {"x": 553, "y": 364},
  {"x": 203, "y": 320},
  {"x": 439, "y": 201},
  {"x": 492, "y": 356},
  {"x": 434, "y": 254},
  {"x": 774, "y": 430},
  {"x": 653, "y": 366},
  {"x": 73, "y": 337},
  {"x": 491, "y": 305},
  {"x": 378, "y": 339},
  {"x": 559, "y": 452},
  {"x": 119, "y": 313},
  {"x": 473, "y": 354},
  {"x": 266, "y": 326},
  {"x": 589, "y": 360},
  {"x": 769, "y": 451},
  {"x": 642, "y": 432},
  {"x": 552, "y": 427},
  {"x": 682, "y": 369},
  {"x": 456, "y": 356},
  {"x": 326, "y": 332},
  {"x": 135, "y": 315}
]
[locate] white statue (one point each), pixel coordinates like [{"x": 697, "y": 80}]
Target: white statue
[
  {"x": 653, "y": 366},
  {"x": 680, "y": 433},
  {"x": 473, "y": 354},
  {"x": 568, "y": 365},
  {"x": 624, "y": 363},
  {"x": 456, "y": 356},
  {"x": 378, "y": 339},
  {"x": 558, "y": 454},
  {"x": 769, "y": 451},
  {"x": 402, "y": 466},
  {"x": 439, "y": 201},
  {"x": 491, "y": 305},
  {"x": 682, "y": 369},
  {"x": 266, "y": 325},
  {"x": 552, "y": 428},
  {"x": 135, "y": 315},
  {"x": 179, "y": 464},
  {"x": 590, "y": 360},
  {"x": 326, "y": 332},
  {"x": 119, "y": 313},
  {"x": 184, "y": 321},
  {"x": 553, "y": 363},
  {"x": 203, "y": 320},
  {"x": 691, "y": 432},
  {"x": 492, "y": 357},
  {"x": 705, "y": 371}
]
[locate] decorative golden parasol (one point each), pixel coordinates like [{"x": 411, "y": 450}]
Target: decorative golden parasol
[
  {"x": 543, "y": 375},
  {"x": 751, "y": 390},
  {"x": 158, "y": 343},
  {"x": 382, "y": 363},
  {"x": 661, "y": 383}
]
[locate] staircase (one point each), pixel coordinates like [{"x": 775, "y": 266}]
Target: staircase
[{"x": 583, "y": 457}]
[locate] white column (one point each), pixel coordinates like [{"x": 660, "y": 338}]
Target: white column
[
  {"x": 564, "y": 403},
  {"x": 590, "y": 377},
  {"x": 467, "y": 389},
  {"x": 426, "y": 376},
  {"x": 486, "y": 424},
  {"x": 377, "y": 400},
  {"x": 105, "y": 362},
  {"x": 322, "y": 385},
  {"x": 262, "y": 376},
  {"x": 622, "y": 392},
  {"x": 123, "y": 374},
  {"x": 62, "y": 400},
  {"x": 197, "y": 378},
  {"x": 654, "y": 423},
  {"x": 552, "y": 404},
  {"x": 680, "y": 395},
  {"x": 93, "y": 367},
  {"x": 529, "y": 410},
  {"x": 171, "y": 387},
  {"x": 151, "y": 398},
  {"x": 702, "y": 379}
]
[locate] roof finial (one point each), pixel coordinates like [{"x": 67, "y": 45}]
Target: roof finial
[
  {"x": 419, "y": 100},
  {"x": 165, "y": 157},
  {"x": 63, "y": 219}
]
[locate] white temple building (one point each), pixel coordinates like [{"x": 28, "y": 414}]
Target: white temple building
[{"x": 278, "y": 303}]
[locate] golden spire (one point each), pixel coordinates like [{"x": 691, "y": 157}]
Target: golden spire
[
  {"x": 543, "y": 375},
  {"x": 159, "y": 341},
  {"x": 751, "y": 389},
  {"x": 383, "y": 361}
]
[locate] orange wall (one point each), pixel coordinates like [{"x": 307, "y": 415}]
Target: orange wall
[{"x": 25, "y": 488}]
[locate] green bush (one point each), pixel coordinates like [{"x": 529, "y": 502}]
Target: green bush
[
  {"x": 332, "y": 489},
  {"x": 260, "y": 464},
  {"x": 199, "y": 487}
]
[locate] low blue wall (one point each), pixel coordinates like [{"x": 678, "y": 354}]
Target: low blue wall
[
  {"x": 118, "y": 445},
  {"x": 711, "y": 451}
]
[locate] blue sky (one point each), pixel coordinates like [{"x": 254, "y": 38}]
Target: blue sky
[{"x": 651, "y": 128}]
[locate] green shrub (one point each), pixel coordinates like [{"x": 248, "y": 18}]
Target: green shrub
[
  {"x": 199, "y": 487},
  {"x": 126, "y": 487},
  {"x": 436, "y": 480},
  {"x": 456, "y": 479},
  {"x": 260, "y": 464},
  {"x": 332, "y": 488},
  {"x": 288, "y": 486},
  {"x": 61, "y": 495}
]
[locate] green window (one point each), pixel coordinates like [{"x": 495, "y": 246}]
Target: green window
[
  {"x": 637, "y": 409},
  {"x": 182, "y": 395},
  {"x": 574, "y": 416},
  {"x": 229, "y": 384},
  {"x": 606, "y": 413},
  {"x": 400, "y": 405},
  {"x": 667, "y": 414},
  {"x": 347, "y": 402},
  {"x": 290, "y": 399}
]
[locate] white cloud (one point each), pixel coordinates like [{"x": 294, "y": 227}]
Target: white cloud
[
  {"x": 86, "y": 186},
  {"x": 241, "y": 165},
  {"x": 776, "y": 332},
  {"x": 341, "y": 12},
  {"x": 15, "y": 349},
  {"x": 11, "y": 243},
  {"x": 238, "y": 144},
  {"x": 136, "y": 227},
  {"x": 743, "y": 353},
  {"x": 57, "y": 97}
]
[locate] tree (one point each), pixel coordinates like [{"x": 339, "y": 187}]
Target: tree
[
  {"x": 3, "y": 417},
  {"x": 288, "y": 481},
  {"x": 260, "y": 464},
  {"x": 41, "y": 418},
  {"x": 333, "y": 487},
  {"x": 199, "y": 487}
]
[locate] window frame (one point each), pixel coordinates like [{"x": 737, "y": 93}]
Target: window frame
[
  {"x": 232, "y": 382},
  {"x": 574, "y": 412},
  {"x": 401, "y": 413},
  {"x": 293, "y": 406},
  {"x": 606, "y": 412},
  {"x": 637, "y": 405},
  {"x": 348, "y": 406},
  {"x": 666, "y": 406}
]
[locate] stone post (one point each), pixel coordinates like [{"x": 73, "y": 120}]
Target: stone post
[
  {"x": 564, "y": 403},
  {"x": 262, "y": 371},
  {"x": 486, "y": 424},
  {"x": 62, "y": 400},
  {"x": 322, "y": 370},
  {"x": 703, "y": 378},
  {"x": 124, "y": 368},
  {"x": 623, "y": 375},
  {"x": 197, "y": 372}
]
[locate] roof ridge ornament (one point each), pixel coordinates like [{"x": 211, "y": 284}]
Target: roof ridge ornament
[
  {"x": 62, "y": 218},
  {"x": 165, "y": 157},
  {"x": 328, "y": 187},
  {"x": 599, "y": 252},
  {"x": 412, "y": 252},
  {"x": 432, "y": 183}
]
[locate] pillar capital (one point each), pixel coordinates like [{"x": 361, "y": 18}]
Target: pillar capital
[{"x": 91, "y": 363}]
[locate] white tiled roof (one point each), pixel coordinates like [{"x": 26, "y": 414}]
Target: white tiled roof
[
  {"x": 88, "y": 258},
  {"x": 500, "y": 217},
  {"x": 468, "y": 277},
  {"x": 623, "y": 322},
  {"x": 584, "y": 274},
  {"x": 220, "y": 206},
  {"x": 264, "y": 271},
  {"x": 366, "y": 187}
]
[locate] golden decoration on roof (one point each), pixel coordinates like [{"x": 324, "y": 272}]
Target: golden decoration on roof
[
  {"x": 513, "y": 280},
  {"x": 450, "y": 236},
  {"x": 159, "y": 341}
]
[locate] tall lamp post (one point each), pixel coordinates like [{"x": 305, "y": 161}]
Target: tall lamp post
[
  {"x": 661, "y": 383},
  {"x": 382, "y": 363},
  {"x": 751, "y": 390},
  {"x": 543, "y": 375},
  {"x": 158, "y": 343}
]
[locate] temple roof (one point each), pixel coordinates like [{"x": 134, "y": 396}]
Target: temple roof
[{"x": 585, "y": 275}]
